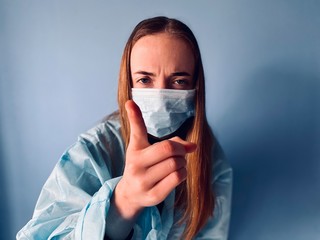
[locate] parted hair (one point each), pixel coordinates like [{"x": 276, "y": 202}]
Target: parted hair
[{"x": 194, "y": 197}]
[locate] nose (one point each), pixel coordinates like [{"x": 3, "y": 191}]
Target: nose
[{"x": 162, "y": 83}]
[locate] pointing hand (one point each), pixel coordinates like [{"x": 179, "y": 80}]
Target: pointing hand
[{"x": 151, "y": 171}]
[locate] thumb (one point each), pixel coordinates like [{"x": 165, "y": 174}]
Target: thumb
[{"x": 138, "y": 131}]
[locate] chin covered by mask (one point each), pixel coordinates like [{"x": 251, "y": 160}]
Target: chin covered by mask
[{"x": 164, "y": 110}]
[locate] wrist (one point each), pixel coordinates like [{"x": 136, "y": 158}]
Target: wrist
[{"x": 124, "y": 204}]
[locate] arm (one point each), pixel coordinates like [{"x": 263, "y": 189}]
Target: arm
[
  {"x": 78, "y": 200},
  {"x": 77, "y": 192}
]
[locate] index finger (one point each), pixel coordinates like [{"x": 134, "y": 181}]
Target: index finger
[
  {"x": 174, "y": 147},
  {"x": 138, "y": 131}
]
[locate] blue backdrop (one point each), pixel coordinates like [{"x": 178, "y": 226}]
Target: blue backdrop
[{"x": 59, "y": 64}]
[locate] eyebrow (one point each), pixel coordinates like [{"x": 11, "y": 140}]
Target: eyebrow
[
  {"x": 180, "y": 74},
  {"x": 175, "y": 74},
  {"x": 145, "y": 73}
]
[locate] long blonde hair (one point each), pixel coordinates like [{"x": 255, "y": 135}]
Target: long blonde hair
[{"x": 195, "y": 196}]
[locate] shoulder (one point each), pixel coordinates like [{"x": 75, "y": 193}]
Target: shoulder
[
  {"x": 107, "y": 130},
  {"x": 98, "y": 151},
  {"x": 221, "y": 169}
]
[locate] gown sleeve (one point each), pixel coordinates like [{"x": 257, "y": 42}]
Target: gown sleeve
[{"x": 75, "y": 199}]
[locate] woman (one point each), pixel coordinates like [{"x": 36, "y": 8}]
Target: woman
[{"x": 149, "y": 171}]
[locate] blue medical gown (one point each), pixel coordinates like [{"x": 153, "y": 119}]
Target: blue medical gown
[{"x": 74, "y": 201}]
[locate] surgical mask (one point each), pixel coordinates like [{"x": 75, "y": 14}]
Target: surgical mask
[{"x": 164, "y": 110}]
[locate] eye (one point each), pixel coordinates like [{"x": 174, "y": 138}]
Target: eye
[
  {"x": 144, "y": 81},
  {"x": 180, "y": 82}
]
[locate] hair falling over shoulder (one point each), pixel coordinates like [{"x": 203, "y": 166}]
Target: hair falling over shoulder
[{"x": 195, "y": 196}]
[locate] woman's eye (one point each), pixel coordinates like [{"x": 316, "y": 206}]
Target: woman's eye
[
  {"x": 180, "y": 82},
  {"x": 144, "y": 80}
]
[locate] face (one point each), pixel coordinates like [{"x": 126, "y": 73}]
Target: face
[{"x": 162, "y": 61}]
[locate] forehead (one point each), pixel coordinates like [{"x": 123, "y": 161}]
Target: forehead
[{"x": 162, "y": 49}]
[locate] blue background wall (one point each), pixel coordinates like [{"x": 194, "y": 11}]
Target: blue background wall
[{"x": 59, "y": 63}]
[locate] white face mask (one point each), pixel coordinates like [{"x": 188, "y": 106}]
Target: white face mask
[{"x": 164, "y": 110}]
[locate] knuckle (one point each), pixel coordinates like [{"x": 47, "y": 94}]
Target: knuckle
[
  {"x": 175, "y": 177},
  {"x": 154, "y": 198},
  {"x": 176, "y": 163},
  {"x": 176, "y": 138},
  {"x": 172, "y": 164},
  {"x": 180, "y": 175},
  {"x": 167, "y": 147}
]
